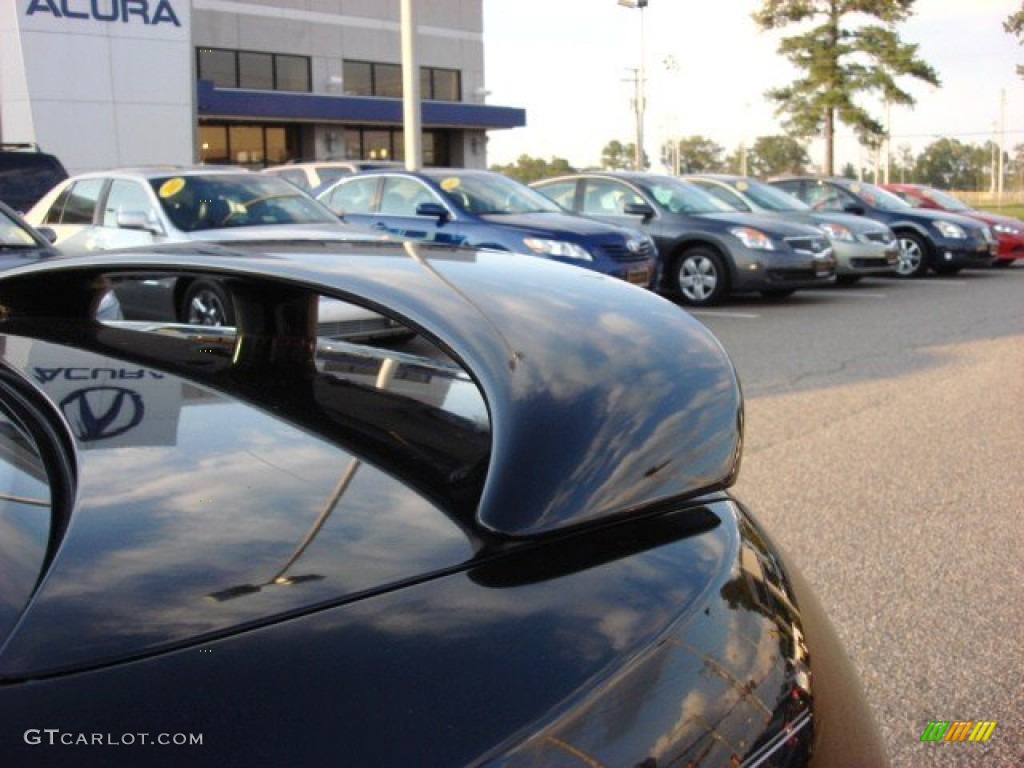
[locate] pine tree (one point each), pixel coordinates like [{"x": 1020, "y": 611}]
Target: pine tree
[{"x": 847, "y": 49}]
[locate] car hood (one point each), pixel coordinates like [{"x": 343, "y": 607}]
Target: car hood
[
  {"x": 924, "y": 214},
  {"x": 567, "y": 226},
  {"x": 279, "y": 232},
  {"x": 766, "y": 222},
  {"x": 995, "y": 218}
]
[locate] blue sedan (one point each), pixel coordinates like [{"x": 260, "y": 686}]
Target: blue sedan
[{"x": 482, "y": 209}]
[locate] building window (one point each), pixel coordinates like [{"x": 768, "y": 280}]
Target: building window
[
  {"x": 440, "y": 84},
  {"x": 254, "y": 70},
  {"x": 250, "y": 145},
  {"x": 367, "y": 78},
  {"x": 385, "y": 144}
]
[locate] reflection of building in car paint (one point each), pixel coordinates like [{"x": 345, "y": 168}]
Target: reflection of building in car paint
[{"x": 111, "y": 406}]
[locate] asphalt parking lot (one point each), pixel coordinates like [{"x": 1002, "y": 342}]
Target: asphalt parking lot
[{"x": 885, "y": 424}]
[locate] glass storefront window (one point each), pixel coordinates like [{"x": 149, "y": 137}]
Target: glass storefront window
[
  {"x": 213, "y": 144},
  {"x": 277, "y": 150},
  {"x": 246, "y": 144},
  {"x": 377, "y": 145}
]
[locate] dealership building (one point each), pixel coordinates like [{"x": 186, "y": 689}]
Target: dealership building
[{"x": 107, "y": 83}]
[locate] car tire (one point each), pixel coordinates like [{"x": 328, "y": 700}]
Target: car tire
[
  {"x": 1003, "y": 263},
  {"x": 699, "y": 277},
  {"x": 206, "y": 303},
  {"x": 848, "y": 279},
  {"x": 914, "y": 255}
]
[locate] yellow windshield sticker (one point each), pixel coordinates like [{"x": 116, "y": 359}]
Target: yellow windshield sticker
[
  {"x": 855, "y": 188},
  {"x": 171, "y": 187},
  {"x": 742, "y": 186},
  {"x": 449, "y": 184}
]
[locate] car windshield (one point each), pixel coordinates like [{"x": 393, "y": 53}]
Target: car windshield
[
  {"x": 195, "y": 203},
  {"x": 13, "y": 235},
  {"x": 492, "y": 193},
  {"x": 947, "y": 201},
  {"x": 879, "y": 198},
  {"x": 677, "y": 196},
  {"x": 768, "y": 197}
]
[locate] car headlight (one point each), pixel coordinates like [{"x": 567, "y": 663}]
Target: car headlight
[
  {"x": 950, "y": 230},
  {"x": 1007, "y": 229},
  {"x": 753, "y": 238},
  {"x": 837, "y": 231},
  {"x": 557, "y": 248}
]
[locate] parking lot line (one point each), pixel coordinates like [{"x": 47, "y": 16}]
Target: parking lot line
[
  {"x": 714, "y": 313},
  {"x": 847, "y": 294}
]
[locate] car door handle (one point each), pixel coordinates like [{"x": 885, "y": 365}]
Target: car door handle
[{"x": 380, "y": 225}]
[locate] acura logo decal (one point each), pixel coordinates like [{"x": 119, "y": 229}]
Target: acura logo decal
[{"x": 98, "y": 413}]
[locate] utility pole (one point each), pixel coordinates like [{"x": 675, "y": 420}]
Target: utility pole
[
  {"x": 640, "y": 100},
  {"x": 412, "y": 128}
]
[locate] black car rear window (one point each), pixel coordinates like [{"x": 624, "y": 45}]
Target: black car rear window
[{"x": 27, "y": 176}]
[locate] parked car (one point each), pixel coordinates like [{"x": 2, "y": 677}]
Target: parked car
[
  {"x": 21, "y": 244},
  {"x": 26, "y": 174},
  {"x": 863, "y": 247},
  {"x": 482, "y": 209},
  {"x": 1009, "y": 231},
  {"x": 250, "y": 549},
  {"x": 139, "y": 207},
  {"x": 942, "y": 242},
  {"x": 314, "y": 176},
  {"x": 708, "y": 249}
]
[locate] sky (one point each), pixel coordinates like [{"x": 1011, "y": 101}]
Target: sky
[{"x": 571, "y": 65}]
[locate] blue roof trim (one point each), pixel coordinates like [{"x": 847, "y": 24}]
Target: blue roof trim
[{"x": 213, "y": 102}]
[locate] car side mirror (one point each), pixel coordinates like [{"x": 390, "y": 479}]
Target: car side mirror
[
  {"x": 638, "y": 209},
  {"x": 436, "y": 210},
  {"x": 48, "y": 233},
  {"x": 138, "y": 220}
]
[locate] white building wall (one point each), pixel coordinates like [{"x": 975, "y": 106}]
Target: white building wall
[{"x": 96, "y": 87}]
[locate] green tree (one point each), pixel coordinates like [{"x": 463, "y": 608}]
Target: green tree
[
  {"x": 849, "y": 171},
  {"x": 696, "y": 154},
  {"x": 951, "y": 164},
  {"x": 1014, "y": 24},
  {"x": 841, "y": 58},
  {"x": 527, "y": 169},
  {"x": 617, "y": 156},
  {"x": 776, "y": 155}
]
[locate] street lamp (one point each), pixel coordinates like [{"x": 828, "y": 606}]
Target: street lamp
[{"x": 639, "y": 102}]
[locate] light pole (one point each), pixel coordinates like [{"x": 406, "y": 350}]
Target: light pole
[{"x": 639, "y": 102}]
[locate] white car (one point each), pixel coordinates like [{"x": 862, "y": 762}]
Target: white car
[
  {"x": 130, "y": 208},
  {"x": 313, "y": 176}
]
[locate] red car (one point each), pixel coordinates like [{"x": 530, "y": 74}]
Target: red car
[{"x": 1008, "y": 230}]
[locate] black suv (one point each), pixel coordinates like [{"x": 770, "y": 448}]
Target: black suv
[
  {"x": 944, "y": 242},
  {"x": 26, "y": 174}
]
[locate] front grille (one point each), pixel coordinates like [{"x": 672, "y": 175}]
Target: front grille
[
  {"x": 617, "y": 250},
  {"x": 808, "y": 245},
  {"x": 862, "y": 263}
]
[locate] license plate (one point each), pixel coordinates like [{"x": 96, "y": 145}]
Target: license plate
[{"x": 641, "y": 276}]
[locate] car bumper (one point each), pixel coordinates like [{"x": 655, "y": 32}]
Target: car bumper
[
  {"x": 865, "y": 258},
  {"x": 781, "y": 270},
  {"x": 1010, "y": 248},
  {"x": 963, "y": 253}
]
